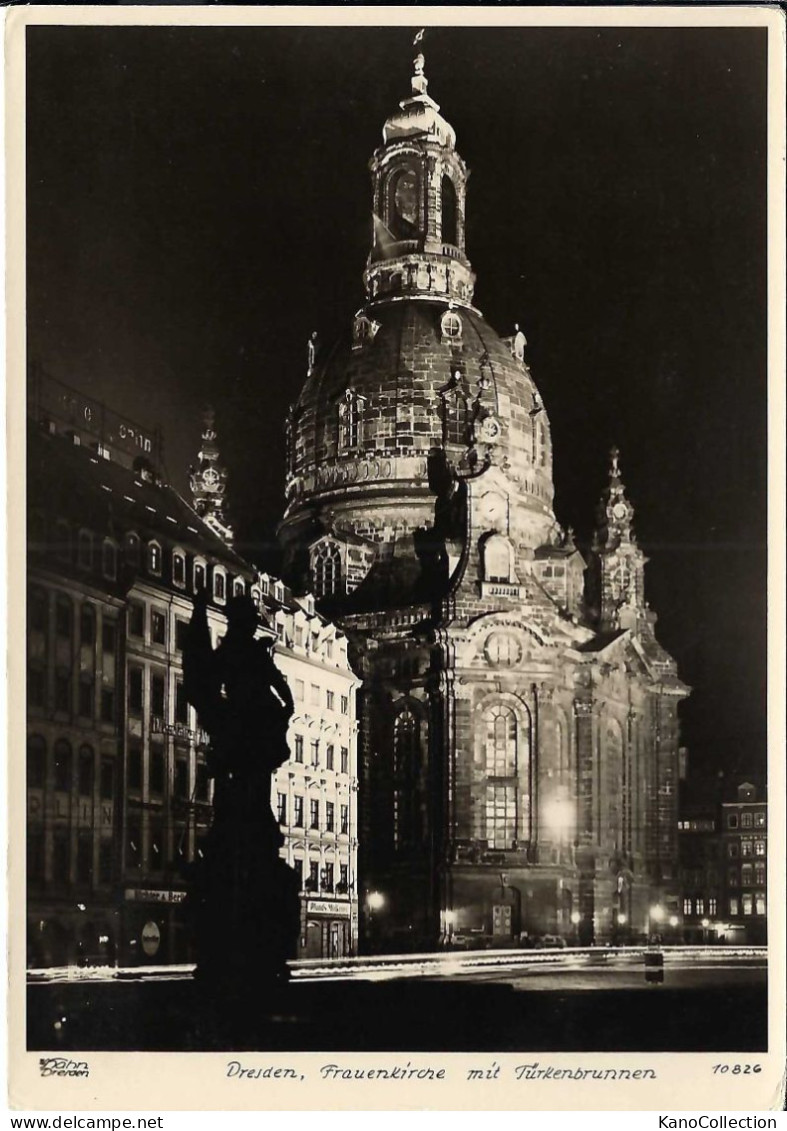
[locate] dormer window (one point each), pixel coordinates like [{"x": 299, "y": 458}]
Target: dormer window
[
  {"x": 265, "y": 586},
  {"x": 219, "y": 585},
  {"x": 178, "y": 568},
  {"x": 350, "y": 420},
  {"x": 327, "y": 570},
  {"x": 238, "y": 587},
  {"x": 154, "y": 558},
  {"x": 132, "y": 550},
  {"x": 364, "y": 331},
  {"x": 199, "y": 576}
]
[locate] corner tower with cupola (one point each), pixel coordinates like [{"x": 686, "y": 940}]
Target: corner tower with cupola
[{"x": 518, "y": 743}]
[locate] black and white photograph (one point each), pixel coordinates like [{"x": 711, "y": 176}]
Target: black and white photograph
[{"x": 393, "y": 453}]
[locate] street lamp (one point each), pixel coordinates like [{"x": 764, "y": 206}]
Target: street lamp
[
  {"x": 375, "y": 901},
  {"x": 655, "y": 915}
]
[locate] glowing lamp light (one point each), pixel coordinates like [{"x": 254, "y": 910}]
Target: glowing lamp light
[
  {"x": 375, "y": 900},
  {"x": 450, "y": 918},
  {"x": 673, "y": 920},
  {"x": 706, "y": 922},
  {"x": 81, "y": 907},
  {"x": 559, "y": 816},
  {"x": 575, "y": 917},
  {"x": 621, "y": 917},
  {"x": 657, "y": 913}
]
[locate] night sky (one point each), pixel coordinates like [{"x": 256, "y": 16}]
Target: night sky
[{"x": 199, "y": 202}]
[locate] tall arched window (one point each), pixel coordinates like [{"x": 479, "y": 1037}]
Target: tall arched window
[
  {"x": 350, "y": 420},
  {"x": 503, "y": 810},
  {"x": 327, "y": 570},
  {"x": 407, "y": 824},
  {"x": 131, "y": 550},
  {"x": 449, "y": 227},
  {"x": 498, "y": 559},
  {"x": 403, "y": 204},
  {"x": 617, "y": 800}
]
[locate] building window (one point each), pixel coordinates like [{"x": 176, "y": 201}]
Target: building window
[
  {"x": 157, "y": 695},
  {"x": 315, "y": 748},
  {"x": 63, "y": 616},
  {"x": 109, "y": 560},
  {"x": 329, "y": 816},
  {"x": 732, "y": 878},
  {"x": 154, "y": 558},
  {"x": 350, "y": 420},
  {"x": 63, "y": 766},
  {"x": 136, "y": 619},
  {"x": 298, "y": 748},
  {"x": 345, "y": 762},
  {"x": 746, "y": 875},
  {"x": 344, "y": 819},
  {"x": 407, "y": 827},
  {"x": 201, "y": 782},
  {"x": 712, "y": 905},
  {"x": 281, "y": 808},
  {"x": 329, "y": 700},
  {"x": 61, "y": 858},
  {"x": 135, "y": 690},
  {"x": 131, "y": 551},
  {"x": 181, "y": 704},
  {"x": 85, "y": 550},
  {"x": 344, "y": 884},
  {"x": 178, "y": 568},
  {"x": 314, "y": 876},
  {"x": 219, "y": 585},
  {"x": 500, "y": 742},
  {"x": 686, "y": 906},
  {"x": 108, "y": 637},
  {"x": 181, "y": 629},
  {"x": 732, "y": 848},
  {"x": 134, "y": 845},
  {"x": 759, "y": 874},
  {"x": 329, "y": 757},
  {"x": 134, "y": 769},
  {"x": 746, "y": 820},
  {"x": 84, "y": 856},
  {"x": 345, "y": 705},
  {"x": 733, "y": 905},
  {"x": 36, "y": 686},
  {"x": 36, "y": 762},
  {"x": 157, "y": 853},
  {"x": 759, "y": 847},
  {"x": 500, "y": 815},
  {"x": 239, "y": 587},
  {"x": 106, "y": 862},
  {"x": 314, "y": 814},
  {"x": 298, "y": 814},
  {"x": 327, "y": 878},
  {"x": 732, "y": 820},
  {"x": 498, "y": 559},
  {"x": 759, "y": 903},
  {"x": 700, "y": 904},
  {"x": 747, "y": 903},
  {"x": 157, "y": 773},
  {"x": 451, "y": 323},
  {"x": 300, "y": 689},
  {"x": 87, "y": 626},
  {"x": 327, "y": 570},
  {"x": 63, "y": 691},
  {"x": 199, "y": 577},
  {"x": 746, "y": 846},
  {"x": 315, "y": 695},
  {"x": 759, "y": 820},
  {"x": 107, "y": 705},
  {"x": 87, "y": 765},
  {"x": 107, "y": 779},
  {"x": 181, "y": 778},
  {"x": 158, "y": 627}
]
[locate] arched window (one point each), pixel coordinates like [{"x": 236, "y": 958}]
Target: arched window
[
  {"x": 178, "y": 568},
  {"x": 350, "y": 420},
  {"x": 503, "y": 808},
  {"x": 403, "y": 204},
  {"x": 219, "y": 585},
  {"x": 63, "y": 766},
  {"x": 154, "y": 557},
  {"x": 327, "y": 570},
  {"x": 449, "y": 227},
  {"x": 36, "y": 762},
  {"x": 239, "y": 588},
  {"x": 109, "y": 560},
  {"x": 131, "y": 552},
  {"x": 407, "y": 825},
  {"x": 199, "y": 576},
  {"x": 498, "y": 559}
]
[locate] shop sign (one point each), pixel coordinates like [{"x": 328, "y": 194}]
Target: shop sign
[
  {"x": 149, "y": 895},
  {"x": 328, "y": 907},
  {"x": 151, "y": 938}
]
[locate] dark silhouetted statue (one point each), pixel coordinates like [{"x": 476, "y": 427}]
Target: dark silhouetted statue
[{"x": 243, "y": 901}]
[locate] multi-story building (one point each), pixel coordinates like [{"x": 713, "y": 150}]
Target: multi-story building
[
  {"x": 315, "y": 794},
  {"x": 519, "y": 728},
  {"x": 700, "y": 874},
  {"x": 744, "y": 837},
  {"x": 119, "y": 796}
]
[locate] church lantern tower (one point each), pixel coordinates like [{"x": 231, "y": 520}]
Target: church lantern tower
[
  {"x": 517, "y": 751},
  {"x": 208, "y": 482}
]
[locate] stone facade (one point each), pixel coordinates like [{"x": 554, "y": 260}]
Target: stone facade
[{"x": 519, "y": 739}]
